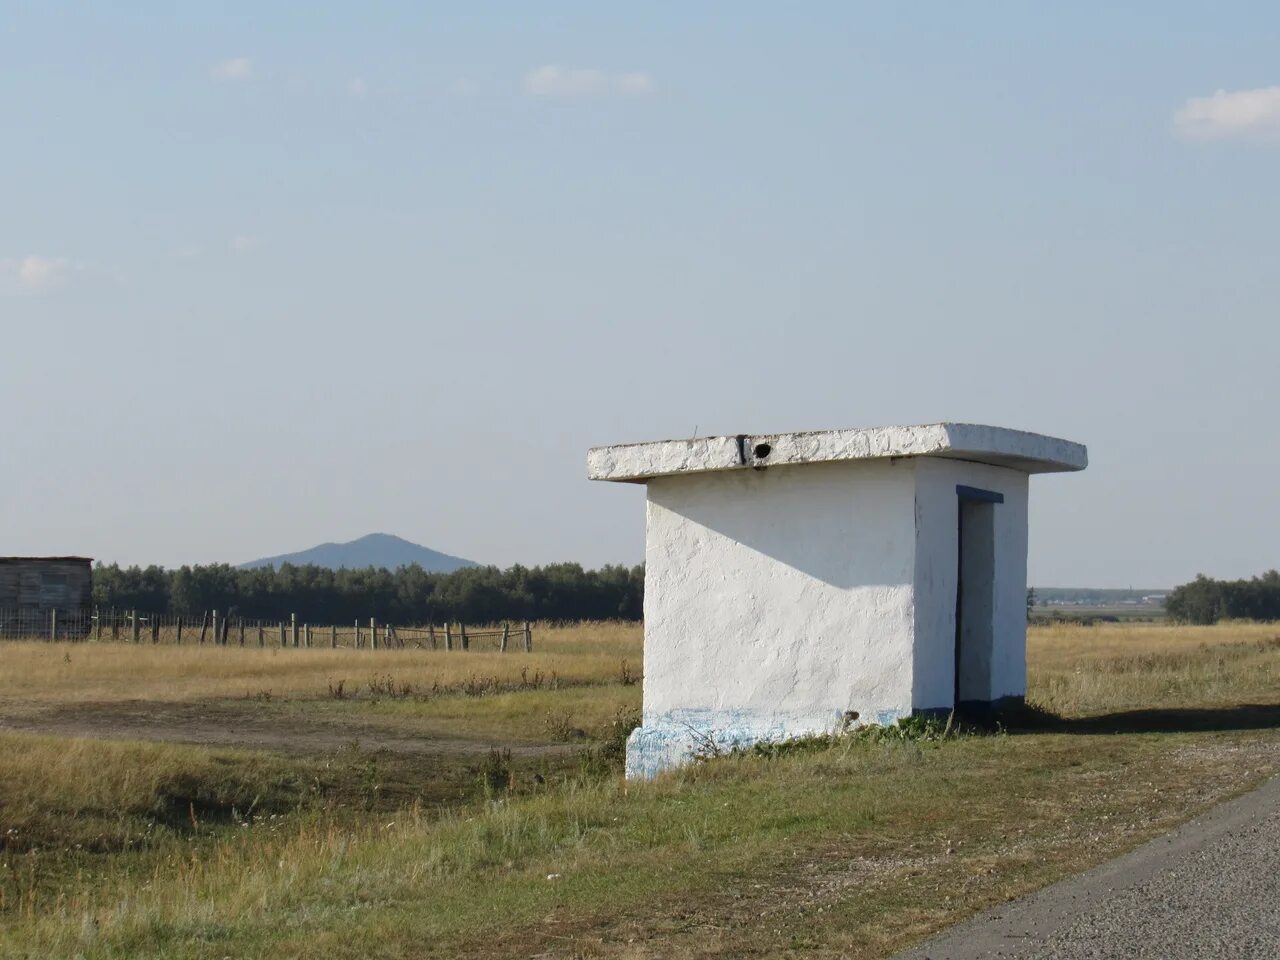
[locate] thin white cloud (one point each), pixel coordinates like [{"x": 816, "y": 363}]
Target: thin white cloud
[
  {"x": 239, "y": 68},
  {"x": 463, "y": 87},
  {"x": 34, "y": 273},
  {"x": 1236, "y": 113},
  {"x": 553, "y": 80},
  {"x": 358, "y": 88},
  {"x": 636, "y": 84},
  {"x": 244, "y": 243}
]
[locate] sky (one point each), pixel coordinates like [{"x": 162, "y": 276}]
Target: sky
[{"x": 275, "y": 274}]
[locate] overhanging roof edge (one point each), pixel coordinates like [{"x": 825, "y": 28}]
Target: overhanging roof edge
[{"x": 1000, "y": 446}]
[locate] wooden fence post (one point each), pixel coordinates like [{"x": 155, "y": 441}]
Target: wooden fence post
[
  {"x": 97, "y": 624},
  {"x": 53, "y": 624},
  {"x": 431, "y": 634},
  {"x": 448, "y": 635},
  {"x": 293, "y": 628},
  {"x": 179, "y": 641},
  {"x": 506, "y": 630},
  {"x": 462, "y": 629},
  {"x": 359, "y": 639},
  {"x": 226, "y": 625},
  {"x": 262, "y": 635},
  {"x": 214, "y": 622},
  {"x": 155, "y": 629},
  {"x": 389, "y": 636},
  {"x": 373, "y": 633},
  {"x": 528, "y": 638},
  {"x": 283, "y": 641},
  {"x": 133, "y": 625},
  {"x": 306, "y": 635},
  {"x": 333, "y": 637},
  {"x": 242, "y": 631}
]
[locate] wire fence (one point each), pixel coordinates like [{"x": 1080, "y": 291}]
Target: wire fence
[{"x": 132, "y": 626}]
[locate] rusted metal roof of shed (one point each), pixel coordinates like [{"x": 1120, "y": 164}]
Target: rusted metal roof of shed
[{"x": 46, "y": 559}]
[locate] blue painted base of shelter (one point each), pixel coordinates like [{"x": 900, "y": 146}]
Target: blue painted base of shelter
[
  {"x": 679, "y": 738},
  {"x": 675, "y": 739}
]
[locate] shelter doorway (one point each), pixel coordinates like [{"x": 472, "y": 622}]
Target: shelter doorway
[{"x": 975, "y": 597}]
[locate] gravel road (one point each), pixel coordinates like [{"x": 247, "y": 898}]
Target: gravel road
[{"x": 1210, "y": 889}]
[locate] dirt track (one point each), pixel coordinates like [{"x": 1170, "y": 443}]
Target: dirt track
[{"x": 246, "y": 724}]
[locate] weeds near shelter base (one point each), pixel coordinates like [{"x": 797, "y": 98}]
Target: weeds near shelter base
[
  {"x": 497, "y": 777},
  {"x": 917, "y": 728},
  {"x": 560, "y": 726},
  {"x": 610, "y": 751}
]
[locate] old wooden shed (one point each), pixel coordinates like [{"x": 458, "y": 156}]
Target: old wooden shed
[{"x": 31, "y": 585}]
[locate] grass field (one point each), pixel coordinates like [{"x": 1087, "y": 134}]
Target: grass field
[
  {"x": 225, "y": 803},
  {"x": 37, "y": 671},
  {"x": 1124, "y": 613}
]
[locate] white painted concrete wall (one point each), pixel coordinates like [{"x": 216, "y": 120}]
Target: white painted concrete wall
[
  {"x": 935, "y": 579},
  {"x": 775, "y": 601}
]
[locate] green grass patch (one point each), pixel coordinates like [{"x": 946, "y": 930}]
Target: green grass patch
[
  {"x": 531, "y": 716},
  {"x": 602, "y": 854},
  {"x": 57, "y": 793},
  {"x": 839, "y": 846}
]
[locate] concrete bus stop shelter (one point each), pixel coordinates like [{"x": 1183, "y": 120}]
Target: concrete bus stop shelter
[{"x": 797, "y": 582}]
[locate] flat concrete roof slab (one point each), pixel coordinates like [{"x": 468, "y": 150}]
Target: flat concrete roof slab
[{"x": 1017, "y": 449}]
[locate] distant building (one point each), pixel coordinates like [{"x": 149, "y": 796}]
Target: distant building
[
  {"x": 798, "y": 582},
  {"x": 37, "y": 585}
]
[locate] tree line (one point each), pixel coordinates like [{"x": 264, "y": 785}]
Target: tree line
[
  {"x": 1205, "y": 600},
  {"x": 407, "y": 595}
]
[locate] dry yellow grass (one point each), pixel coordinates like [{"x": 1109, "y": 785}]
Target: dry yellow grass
[
  {"x": 62, "y": 793},
  {"x": 723, "y": 860},
  {"x": 525, "y": 716},
  {"x": 70, "y": 672},
  {"x": 1081, "y": 671},
  {"x": 1072, "y": 669}
]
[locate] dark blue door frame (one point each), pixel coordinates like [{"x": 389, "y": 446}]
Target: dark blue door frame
[{"x": 973, "y": 495}]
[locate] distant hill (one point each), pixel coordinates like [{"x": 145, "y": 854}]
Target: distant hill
[{"x": 374, "y": 550}]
